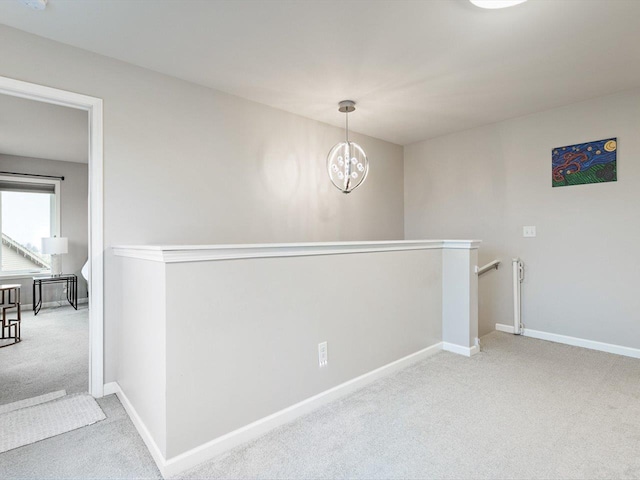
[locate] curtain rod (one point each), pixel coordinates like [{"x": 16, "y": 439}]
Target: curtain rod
[{"x": 33, "y": 175}]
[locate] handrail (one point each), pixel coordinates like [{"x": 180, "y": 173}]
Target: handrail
[{"x": 487, "y": 267}]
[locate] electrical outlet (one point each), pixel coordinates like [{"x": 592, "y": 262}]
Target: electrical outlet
[
  {"x": 529, "y": 231},
  {"x": 323, "y": 354}
]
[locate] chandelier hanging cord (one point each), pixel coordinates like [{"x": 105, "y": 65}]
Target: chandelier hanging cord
[
  {"x": 346, "y": 125},
  {"x": 347, "y": 106}
]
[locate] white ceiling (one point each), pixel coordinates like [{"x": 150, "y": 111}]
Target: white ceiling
[
  {"x": 417, "y": 69},
  {"x": 40, "y": 130}
]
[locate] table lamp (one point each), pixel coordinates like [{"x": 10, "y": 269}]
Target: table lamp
[{"x": 55, "y": 246}]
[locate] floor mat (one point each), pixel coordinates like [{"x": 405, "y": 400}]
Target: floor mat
[
  {"x": 30, "y": 402},
  {"x": 31, "y": 424}
]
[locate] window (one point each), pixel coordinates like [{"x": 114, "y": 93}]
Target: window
[{"x": 29, "y": 212}]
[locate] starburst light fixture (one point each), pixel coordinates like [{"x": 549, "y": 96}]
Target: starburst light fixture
[{"x": 347, "y": 163}]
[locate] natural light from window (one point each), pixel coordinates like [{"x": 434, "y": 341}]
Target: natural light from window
[{"x": 26, "y": 219}]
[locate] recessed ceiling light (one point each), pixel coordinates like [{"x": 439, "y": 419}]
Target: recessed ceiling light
[
  {"x": 34, "y": 4},
  {"x": 496, "y": 3}
]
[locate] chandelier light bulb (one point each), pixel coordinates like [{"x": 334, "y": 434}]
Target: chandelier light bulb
[{"x": 347, "y": 162}]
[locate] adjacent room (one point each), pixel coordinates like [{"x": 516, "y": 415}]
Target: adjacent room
[
  {"x": 307, "y": 239},
  {"x": 44, "y": 220}
]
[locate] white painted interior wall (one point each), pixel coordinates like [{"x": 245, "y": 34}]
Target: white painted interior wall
[
  {"x": 581, "y": 273},
  {"x": 73, "y": 218},
  {"x": 459, "y": 297},
  {"x": 260, "y": 347},
  {"x": 185, "y": 164},
  {"x": 142, "y": 343},
  {"x": 250, "y": 321}
]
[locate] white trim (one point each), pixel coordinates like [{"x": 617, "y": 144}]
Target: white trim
[
  {"x": 199, "y": 253},
  {"x": 584, "y": 343},
  {"x": 208, "y": 450},
  {"x": 574, "y": 341},
  {"x": 460, "y": 350},
  {"x": 93, "y": 106},
  {"x": 96, "y": 248},
  {"x": 111, "y": 388},
  {"x": 501, "y": 327},
  {"x": 156, "y": 454}
]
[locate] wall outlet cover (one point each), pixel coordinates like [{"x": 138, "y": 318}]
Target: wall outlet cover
[
  {"x": 323, "y": 354},
  {"x": 529, "y": 231}
]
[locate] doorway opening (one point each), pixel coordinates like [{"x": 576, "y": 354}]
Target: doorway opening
[{"x": 94, "y": 232}]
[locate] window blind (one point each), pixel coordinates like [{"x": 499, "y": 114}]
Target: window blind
[{"x": 10, "y": 186}]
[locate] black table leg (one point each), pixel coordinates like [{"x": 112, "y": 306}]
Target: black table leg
[
  {"x": 37, "y": 305},
  {"x": 3, "y": 320},
  {"x": 72, "y": 292}
]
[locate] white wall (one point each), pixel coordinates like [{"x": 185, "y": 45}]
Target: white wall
[
  {"x": 459, "y": 297},
  {"x": 73, "y": 217},
  {"x": 245, "y": 337},
  {"x": 234, "y": 352},
  {"x": 582, "y": 268},
  {"x": 187, "y": 164},
  {"x": 142, "y": 345}
]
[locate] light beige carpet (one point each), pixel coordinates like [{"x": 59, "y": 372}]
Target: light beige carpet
[
  {"x": 521, "y": 409},
  {"x": 53, "y": 355}
]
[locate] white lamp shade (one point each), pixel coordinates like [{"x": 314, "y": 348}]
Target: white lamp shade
[{"x": 55, "y": 245}]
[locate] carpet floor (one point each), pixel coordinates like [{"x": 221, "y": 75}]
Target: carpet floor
[
  {"x": 110, "y": 449},
  {"x": 53, "y": 355},
  {"x": 522, "y": 408}
]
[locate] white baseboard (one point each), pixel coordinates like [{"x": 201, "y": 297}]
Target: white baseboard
[
  {"x": 460, "y": 350},
  {"x": 111, "y": 388},
  {"x": 576, "y": 342},
  {"x": 206, "y": 451},
  {"x": 501, "y": 327},
  {"x": 158, "y": 457},
  {"x": 581, "y": 342},
  {"x": 62, "y": 303}
]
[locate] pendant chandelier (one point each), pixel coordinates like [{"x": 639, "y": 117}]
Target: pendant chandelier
[{"x": 347, "y": 163}]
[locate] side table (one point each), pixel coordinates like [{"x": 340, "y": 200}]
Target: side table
[{"x": 72, "y": 289}]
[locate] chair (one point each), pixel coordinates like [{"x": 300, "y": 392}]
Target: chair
[{"x": 10, "y": 327}]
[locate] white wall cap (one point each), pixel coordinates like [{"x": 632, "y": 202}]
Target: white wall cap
[{"x": 199, "y": 253}]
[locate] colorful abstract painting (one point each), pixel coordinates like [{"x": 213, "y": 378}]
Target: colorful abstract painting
[{"x": 591, "y": 162}]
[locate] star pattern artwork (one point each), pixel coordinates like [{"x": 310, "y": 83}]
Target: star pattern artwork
[{"x": 591, "y": 162}]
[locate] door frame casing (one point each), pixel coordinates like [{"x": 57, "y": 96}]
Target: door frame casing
[{"x": 93, "y": 106}]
